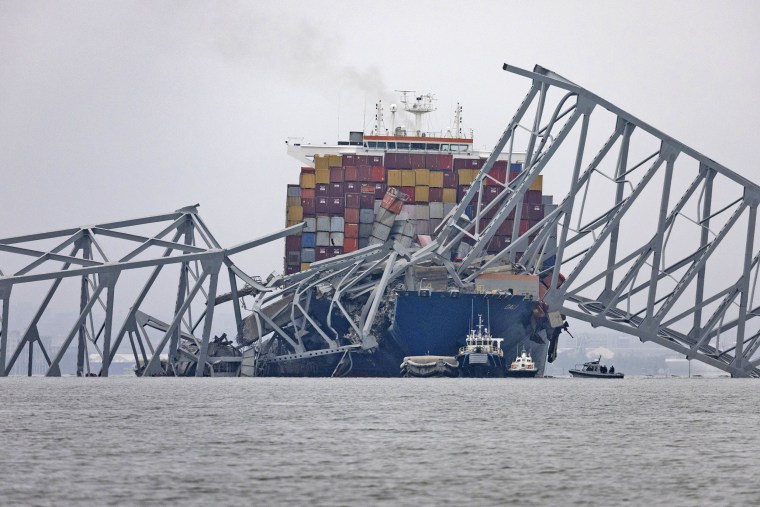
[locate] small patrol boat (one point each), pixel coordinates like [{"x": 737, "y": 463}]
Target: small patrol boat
[
  {"x": 482, "y": 356},
  {"x": 522, "y": 366},
  {"x": 594, "y": 369}
]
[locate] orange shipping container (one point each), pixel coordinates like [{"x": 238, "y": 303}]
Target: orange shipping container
[
  {"x": 350, "y": 244},
  {"x": 538, "y": 183}
]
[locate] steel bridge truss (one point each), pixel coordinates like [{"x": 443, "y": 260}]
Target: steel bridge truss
[
  {"x": 641, "y": 196},
  {"x": 183, "y": 240}
]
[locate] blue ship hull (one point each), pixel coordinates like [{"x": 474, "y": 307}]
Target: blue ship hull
[{"x": 429, "y": 323}]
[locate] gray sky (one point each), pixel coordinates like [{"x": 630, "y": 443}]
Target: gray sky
[{"x": 121, "y": 109}]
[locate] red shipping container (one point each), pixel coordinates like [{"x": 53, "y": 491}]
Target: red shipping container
[
  {"x": 368, "y": 189},
  {"x": 322, "y": 190},
  {"x": 490, "y": 193},
  {"x": 524, "y": 226},
  {"x": 307, "y": 169},
  {"x": 293, "y": 243},
  {"x": 505, "y": 229},
  {"x": 352, "y": 187},
  {"x": 378, "y": 173},
  {"x": 376, "y": 160},
  {"x": 361, "y": 159},
  {"x": 335, "y": 250},
  {"x": 513, "y": 174},
  {"x": 392, "y": 204},
  {"x": 533, "y": 212},
  {"x": 335, "y": 190},
  {"x": 403, "y": 161},
  {"x": 418, "y": 160},
  {"x": 336, "y": 205},
  {"x": 431, "y": 161},
  {"x": 409, "y": 192},
  {"x": 450, "y": 180},
  {"x": 308, "y": 193},
  {"x": 462, "y": 190},
  {"x": 533, "y": 196},
  {"x": 351, "y": 173},
  {"x": 390, "y": 160},
  {"x": 468, "y": 163},
  {"x": 436, "y": 194},
  {"x": 379, "y": 190},
  {"x": 292, "y": 269},
  {"x": 353, "y": 200},
  {"x": 322, "y": 253},
  {"x": 367, "y": 201},
  {"x": 309, "y": 206},
  {"x": 348, "y": 160},
  {"x": 350, "y": 244},
  {"x": 350, "y": 231},
  {"x": 365, "y": 173},
  {"x": 351, "y": 215},
  {"x": 336, "y": 175},
  {"x": 322, "y": 205}
]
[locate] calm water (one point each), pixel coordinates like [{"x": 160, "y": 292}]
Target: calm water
[{"x": 379, "y": 441}]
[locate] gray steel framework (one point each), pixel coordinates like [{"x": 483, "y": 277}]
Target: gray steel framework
[
  {"x": 665, "y": 201},
  {"x": 100, "y": 271}
]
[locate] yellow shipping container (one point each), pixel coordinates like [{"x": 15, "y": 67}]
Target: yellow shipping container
[
  {"x": 294, "y": 200},
  {"x": 305, "y": 266},
  {"x": 407, "y": 178},
  {"x": 334, "y": 161},
  {"x": 394, "y": 178},
  {"x": 422, "y": 177},
  {"x": 421, "y": 193},
  {"x": 538, "y": 183},
  {"x": 289, "y": 223},
  {"x": 322, "y": 175},
  {"x": 467, "y": 176},
  {"x": 449, "y": 195},
  {"x": 295, "y": 213},
  {"x": 436, "y": 179},
  {"x": 321, "y": 162},
  {"x": 308, "y": 180}
]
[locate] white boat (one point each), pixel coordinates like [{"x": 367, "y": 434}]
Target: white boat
[{"x": 522, "y": 366}]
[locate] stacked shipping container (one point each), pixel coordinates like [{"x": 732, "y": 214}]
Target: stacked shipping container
[{"x": 341, "y": 201}]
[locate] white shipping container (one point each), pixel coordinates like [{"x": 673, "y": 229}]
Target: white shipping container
[
  {"x": 423, "y": 227},
  {"x": 366, "y": 216},
  {"x": 436, "y": 210},
  {"x": 307, "y": 255},
  {"x": 336, "y": 239},
  {"x": 323, "y": 223},
  {"x": 410, "y": 210},
  {"x": 323, "y": 238},
  {"x": 310, "y": 225},
  {"x": 381, "y": 231},
  {"x": 423, "y": 212},
  {"x": 336, "y": 224}
]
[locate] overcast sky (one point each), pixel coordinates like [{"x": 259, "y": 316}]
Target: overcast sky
[{"x": 114, "y": 110}]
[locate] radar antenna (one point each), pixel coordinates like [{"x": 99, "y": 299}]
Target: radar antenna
[{"x": 418, "y": 105}]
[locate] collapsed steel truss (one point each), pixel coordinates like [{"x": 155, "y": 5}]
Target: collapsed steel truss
[
  {"x": 687, "y": 305},
  {"x": 90, "y": 260},
  {"x": 701, "y": 305},
  {"x": 669, "y": 307}
]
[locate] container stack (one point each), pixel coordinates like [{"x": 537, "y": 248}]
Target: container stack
[{"x": 350, "y": 201}]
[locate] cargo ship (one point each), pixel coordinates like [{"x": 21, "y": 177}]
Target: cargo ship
[{"x": 397, "y": 186}]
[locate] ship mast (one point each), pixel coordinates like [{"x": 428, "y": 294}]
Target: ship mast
[
  {"x": 418, "y": 105},
  {"x": 380, "y": 129}
]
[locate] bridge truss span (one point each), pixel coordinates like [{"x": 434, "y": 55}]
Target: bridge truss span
[{"x": 651, "y": 238}]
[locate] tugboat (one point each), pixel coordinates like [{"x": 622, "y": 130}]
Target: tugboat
[
  {"x": 522, "y": 366},
  {"x": 482, "y": 356},
  {"x": 594, "y": 369}
]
